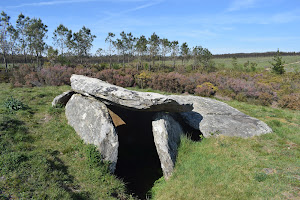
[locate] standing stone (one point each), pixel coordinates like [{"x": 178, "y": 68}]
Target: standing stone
[
  {"x": 166, "y": 132},
  {"x": 91, "y": 120},
  {"x": 63, "y": 98}
]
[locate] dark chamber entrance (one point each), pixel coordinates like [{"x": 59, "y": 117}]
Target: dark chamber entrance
[{"x": 138, "y": 162}]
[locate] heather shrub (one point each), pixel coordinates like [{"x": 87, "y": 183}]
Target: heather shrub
[
  {"x": 123, "y": 80},
  {"x": 265, "y": 98},
  {"x": 106, "y": 75},
  {"x": 125, "y": 77},
  {"x": 142, "y": 79},
  {"x": 4, "y": 76},
  {"x": 190, "y": 88},
  {"x": 19, "y": 75},
  {"x": 32, "y": 79},
  {"x": 56, "y": 75},
  {"x": 130, "y": 71},
  {"x": 241, "y": 97},
  {"x": 80, "y": 70},
  {"x": 169, "y": 82},
  {"x": 206, "y": 89},
  {"x": 291, "y": 101}
]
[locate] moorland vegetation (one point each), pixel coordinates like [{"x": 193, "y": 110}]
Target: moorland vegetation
[{"x": 43, "y": 158}]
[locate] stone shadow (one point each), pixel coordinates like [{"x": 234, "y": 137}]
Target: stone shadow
[{"x": 138, "y": 162}]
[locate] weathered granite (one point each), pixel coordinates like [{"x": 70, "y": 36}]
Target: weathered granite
[
  {"x": 63, "y": 98},
  {"x": 213, "y": 117},
  {"x": 166, "y": 132},
  {"x": 91, "y": 120},
  {"x": 145, "y": 101}
]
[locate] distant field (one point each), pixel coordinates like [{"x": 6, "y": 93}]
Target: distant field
[
  {"x": 263, "y": 62},
  {"x": 292, "y": 63}
]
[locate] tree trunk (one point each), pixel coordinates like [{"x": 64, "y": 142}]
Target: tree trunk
[
  {"x": 152, "y": 64},
  {"x": 12, "y": 59},
  {"x": 5, "y": 61},
  {"x": 37, "y": 61},
  {"x": 123, "y": 61},
  {"x": 110, "y": 61},
  {"x": 159, "y": 58}
]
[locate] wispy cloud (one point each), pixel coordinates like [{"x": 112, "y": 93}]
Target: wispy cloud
[
  {"x": 241, "y": 4},
  {"x": 136, "y": 8},
  {"x": 51, "y": 3}
]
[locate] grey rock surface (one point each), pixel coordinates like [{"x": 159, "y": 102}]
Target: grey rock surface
[
  {"x": 166, "y": 132},
  {"x": 63, "y": 98},
  {"x": 119, "y": 96},
  {"x": 213, "y": 118},
  {"x": 91, "y": 120}
]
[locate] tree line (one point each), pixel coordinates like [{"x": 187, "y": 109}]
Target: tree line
[{"x": 27, "y": 38}]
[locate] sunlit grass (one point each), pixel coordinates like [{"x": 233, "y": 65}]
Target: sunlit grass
[
  {"x": 43, "y": 156},
  {"x": 265, "y": 167}
]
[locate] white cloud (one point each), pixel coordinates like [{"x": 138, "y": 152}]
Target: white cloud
[
  {"x": 50, "y": 3},
  {"x": 112, "y": 15}
]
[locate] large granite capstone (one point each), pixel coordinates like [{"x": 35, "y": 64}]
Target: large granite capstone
[{"x": 145, "y": 101}]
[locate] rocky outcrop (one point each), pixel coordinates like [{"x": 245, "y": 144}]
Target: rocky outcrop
[
  {"x": 166, "y": 132},
  {"x": 91, "y": 120},
  {"x": 213, "y": 118},
  {"x": 62, "y": 99},
  {"x": 144, "y": 101}
]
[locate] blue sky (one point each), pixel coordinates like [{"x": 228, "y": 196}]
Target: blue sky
[{"x": 221, "y": 26}]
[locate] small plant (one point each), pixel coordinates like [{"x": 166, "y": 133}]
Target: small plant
[
  {"x": 278, "y": 64},
  {"x": 234, "y": 63},
  {"x": 13, "y": 104},
  {"x": 260, "y": 177},
  {"x": 93, "y": 156}
]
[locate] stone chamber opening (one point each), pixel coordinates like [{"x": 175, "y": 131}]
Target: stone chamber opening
[{"x": 138, "y": 162}]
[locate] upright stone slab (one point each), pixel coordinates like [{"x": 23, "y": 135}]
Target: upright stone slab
[
  {"x": 214, "y": 117},
  {"x": 111, "y": 94},
  {"x": 63, "y": 98},
  {"x": 91, "y": 120},
  {"x": 166, "y": 132}
]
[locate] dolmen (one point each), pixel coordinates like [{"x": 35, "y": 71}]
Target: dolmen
[{"x": 86, "y": 108}]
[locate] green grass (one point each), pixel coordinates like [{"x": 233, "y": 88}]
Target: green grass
[
  {"x": 41, "y": 155},
  {"x": 43, "y": 158},
  {"x": 292, "y": 63},
  {"x": 264, "y": 167},
  {"x": 262, "y": 62}
]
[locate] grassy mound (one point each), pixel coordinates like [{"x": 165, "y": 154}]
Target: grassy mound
[{"x": 41, "y": 157}]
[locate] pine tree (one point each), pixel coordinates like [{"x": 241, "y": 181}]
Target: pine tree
[{"x": 278, "y": 64}]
